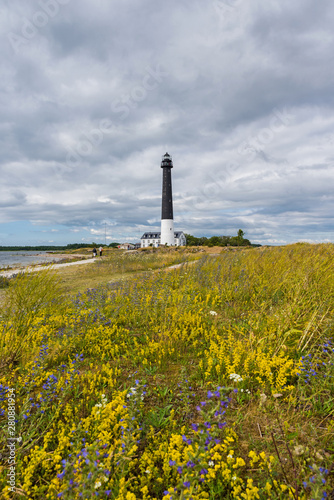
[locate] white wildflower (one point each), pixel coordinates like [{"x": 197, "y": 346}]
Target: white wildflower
[
  {"x": 213, "y": 313},
  {"x": 211, "y": 463},
  {"x": 236, "y": 377},
  {"x": 102, "y": 404},
  {"x": 148, "y": 471},
  {"x": 133, "y": 392},
  {"x": 97, "y": 484}
]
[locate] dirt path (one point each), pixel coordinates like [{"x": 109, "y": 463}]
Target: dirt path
[{"x": 176, "y": 266}]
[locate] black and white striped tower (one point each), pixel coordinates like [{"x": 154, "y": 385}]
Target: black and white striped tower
[{"x": 167, "y": 222}]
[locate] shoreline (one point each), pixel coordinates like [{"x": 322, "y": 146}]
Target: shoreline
[{"x": 39, "y": 267}]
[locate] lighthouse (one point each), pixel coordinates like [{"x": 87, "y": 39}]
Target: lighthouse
[
  {"x": 167, "y": 236},
  {"x": 167, "y": 222}
]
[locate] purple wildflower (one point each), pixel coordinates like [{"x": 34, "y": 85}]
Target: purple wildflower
[{"x": 190, "y": 464}]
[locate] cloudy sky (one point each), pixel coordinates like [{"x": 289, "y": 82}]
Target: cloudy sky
[{"x": 94, "y": 92}]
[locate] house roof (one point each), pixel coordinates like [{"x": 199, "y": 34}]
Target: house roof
[
  {"x": 150, "y": 236},
  {"x": 157, "y": 235}
]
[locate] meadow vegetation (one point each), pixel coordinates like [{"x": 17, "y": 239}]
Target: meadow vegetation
[{"x": 210, "y": 380}]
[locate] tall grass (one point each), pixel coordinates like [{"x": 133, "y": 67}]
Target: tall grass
[
  {"x": 212, "y": 380},
  {"x": 28, "y": 298},
  {"x": 147, "y": 259},
  {"x": 118, "y": 265}
]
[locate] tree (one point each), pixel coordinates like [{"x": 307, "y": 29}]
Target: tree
[
  {"x": 234, "y": 242},
  {"x": 214, "y": 241},
  {"x": 240, "y": 237},
  {"x": 191, "y": 240},
  {"x": 221, "y": 241},
  {"x": 225, "y": 240}
]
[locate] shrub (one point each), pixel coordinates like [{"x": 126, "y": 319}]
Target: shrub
[
  {"x": 27, "y": 296},
  {"x": 4, "y": 282}
]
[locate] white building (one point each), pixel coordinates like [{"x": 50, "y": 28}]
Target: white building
[
  {"x": 126, "y": 246},
  {"x": 154, "y": 239}
]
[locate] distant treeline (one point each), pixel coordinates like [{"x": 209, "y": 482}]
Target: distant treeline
[
  {"x": 41, "y": 248},
  {"x": 220, "y": 241}
]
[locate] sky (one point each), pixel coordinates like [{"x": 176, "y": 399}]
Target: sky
[{"x": 94, "y": 92}]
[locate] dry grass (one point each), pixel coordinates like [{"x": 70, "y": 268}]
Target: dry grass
[{"x": 118, "y": 265}]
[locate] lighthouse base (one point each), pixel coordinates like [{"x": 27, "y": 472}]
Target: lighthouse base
[{"x": 167, "y": 232}]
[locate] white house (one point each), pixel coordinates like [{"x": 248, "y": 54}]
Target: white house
[
  {"x": 127, "y": 246},
  {"x": 154, "y": 239}
]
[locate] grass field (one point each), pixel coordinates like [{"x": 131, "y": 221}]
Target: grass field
[{"x": 128, "y": 380}]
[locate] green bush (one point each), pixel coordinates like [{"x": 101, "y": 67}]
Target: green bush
[{"x": 4, "y": 282}]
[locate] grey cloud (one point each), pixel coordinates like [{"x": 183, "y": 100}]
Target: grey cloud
[{"x": 223, "y": 81}]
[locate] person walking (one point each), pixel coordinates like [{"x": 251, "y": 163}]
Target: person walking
[
  {"x": 94, "y": 252},
  {"x": 100, "y": 250}
]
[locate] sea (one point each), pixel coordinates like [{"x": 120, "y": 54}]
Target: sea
[{"x": 25, "y": 258}]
